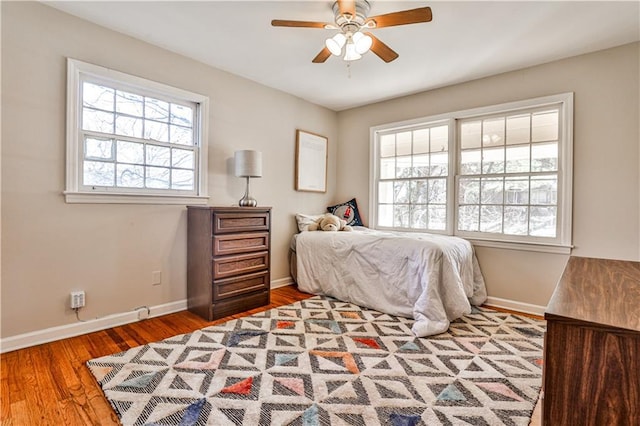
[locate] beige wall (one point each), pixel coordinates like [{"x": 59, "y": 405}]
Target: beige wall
[
  {"x": 606, "y": 221},
  {"x": 50, "y": 248}
]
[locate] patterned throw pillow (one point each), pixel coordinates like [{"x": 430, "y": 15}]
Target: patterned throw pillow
[{"x": 347, "y": 211}]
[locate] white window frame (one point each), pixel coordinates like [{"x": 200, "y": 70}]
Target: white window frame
[
  {"x": 75, "y": 192},
  {"x": 563, "y": 241}
]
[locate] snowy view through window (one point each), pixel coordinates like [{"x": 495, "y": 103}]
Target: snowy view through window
[
  {"x": 136, "y": 141},
  {"x": 414, "y": 166},
  {"x": 508, "y": 174},
  {"x": 506, "y": 182}
]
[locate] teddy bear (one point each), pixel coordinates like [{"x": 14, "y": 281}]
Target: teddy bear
[{"x": 329, "y": 222}]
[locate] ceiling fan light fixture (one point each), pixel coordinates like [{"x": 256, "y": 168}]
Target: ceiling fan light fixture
[
  {"x": 351, "y": 54},
  {"x": 362, "y": 42},
  {"x": 351, "y": 18},
  {"x": 335, "y": 44}
]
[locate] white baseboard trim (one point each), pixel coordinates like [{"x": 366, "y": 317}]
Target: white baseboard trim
[
  {"x": 51, "y": 334},
  {"x": 282, "y": 282},
  {"x": 525, "y": 308},
  {"x": 33, "y": 338}
]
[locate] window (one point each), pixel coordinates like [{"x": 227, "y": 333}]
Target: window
[
  {"x": 412, "y": 185},
  {"x": 495, "y": 175},
  {"x": 131, "y": 140}
]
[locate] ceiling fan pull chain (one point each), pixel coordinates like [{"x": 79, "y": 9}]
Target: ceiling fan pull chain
[{"x": 349, "y": 70}]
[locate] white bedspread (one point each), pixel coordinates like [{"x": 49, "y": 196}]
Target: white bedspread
[{"x": 431, "y": 278}]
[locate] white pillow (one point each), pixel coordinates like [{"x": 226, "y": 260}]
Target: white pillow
[{"x": 304, "y": 220}]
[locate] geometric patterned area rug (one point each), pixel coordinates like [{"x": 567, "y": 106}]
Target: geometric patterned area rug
[{"x": 320, "y": 361}]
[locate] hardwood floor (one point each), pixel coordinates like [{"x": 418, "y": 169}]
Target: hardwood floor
[{"x": 49, "y": 384}]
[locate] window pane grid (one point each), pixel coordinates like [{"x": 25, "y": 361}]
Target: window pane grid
[
  {"x": 509, "y": 185},
  {"x": 123, "y": 167},
  {"x": 136, "y": 141},
  {"x": 412, "y": 179},
  {"x": 511, "y": 180},
  {"x": 153, "y": 119}
]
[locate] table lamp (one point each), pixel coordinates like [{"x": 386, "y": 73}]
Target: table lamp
[{"x": 248, "y": 164}]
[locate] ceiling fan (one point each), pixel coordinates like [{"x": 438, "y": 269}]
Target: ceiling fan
[{"x": 351, "y": 19}]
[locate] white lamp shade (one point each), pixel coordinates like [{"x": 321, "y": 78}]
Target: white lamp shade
[
  {"x": 335, "y": 43},
  {"x": 363, "y": 42},
  {"x": 350, "y": 53},
  {"x": 248, "y": 163}
]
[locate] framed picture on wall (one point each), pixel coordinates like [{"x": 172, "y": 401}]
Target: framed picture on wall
[{"x": 311, "y": 162}]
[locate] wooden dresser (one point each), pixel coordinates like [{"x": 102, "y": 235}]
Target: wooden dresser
[
  {"x": 228, "y": 250},
  {"x": 592, "y": 345}
]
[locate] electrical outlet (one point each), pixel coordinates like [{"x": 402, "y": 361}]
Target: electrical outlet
[
  {"x": 156, "y": 277},
  {"x": 77, "y": 299}
]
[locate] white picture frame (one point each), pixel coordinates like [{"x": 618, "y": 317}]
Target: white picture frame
[{"x": 311, "y": 162}]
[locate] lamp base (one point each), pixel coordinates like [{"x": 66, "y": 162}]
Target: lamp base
[{"x": 247, "y": 200}]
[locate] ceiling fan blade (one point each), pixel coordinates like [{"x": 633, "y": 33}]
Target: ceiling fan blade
[
  {"x": 347, "y": 6},
  {"x": 322, "y": 56},
  {"x": 300, "y": 24},
  {"x": 413, "y": 16},
  {"x": 383, "y": 51}
]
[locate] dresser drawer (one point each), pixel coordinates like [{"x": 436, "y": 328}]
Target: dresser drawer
[
  {"x": 229, "y": 266},
  {"x": 240, "y": 222},
  {"x": 240, "y": 243},
  {"x": 244, "y": 302},
  {"x": 230, "y": 287}
]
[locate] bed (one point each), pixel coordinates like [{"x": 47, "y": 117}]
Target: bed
[{"x": 431, "y": 278}]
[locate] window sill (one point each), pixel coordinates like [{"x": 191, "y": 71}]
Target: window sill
[
  {"x": 542, "y": 248},
  {"x": 110, "y": 198}
]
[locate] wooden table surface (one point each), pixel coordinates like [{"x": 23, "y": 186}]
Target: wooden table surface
[
  {"x": 599, "y": 291},
  {"x": 592, "y": 345}
]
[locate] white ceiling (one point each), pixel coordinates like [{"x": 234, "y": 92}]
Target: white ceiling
[{"x": 465, "y": 40}]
